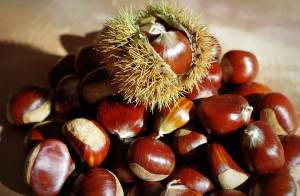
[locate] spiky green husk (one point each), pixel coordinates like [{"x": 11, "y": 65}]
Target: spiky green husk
[{"x": 139, "y": 73}]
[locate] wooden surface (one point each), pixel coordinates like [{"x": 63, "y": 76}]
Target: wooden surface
[{"x": 34, "y": 34}]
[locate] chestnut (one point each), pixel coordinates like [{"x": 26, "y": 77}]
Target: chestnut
[
  {"x": 88, "y": 139},
  {"x": 227, "y": 192},
  {"x": 262, "y": 149},
  {"x": 31, "y": 104},
  {"x": 278, "y": 111},
  {"x": 146, "y": 189},
  {"x": 66, "y": 94},
  {"x": 175, "y": 49},
  {"x": 224, "y": 168},
  {"x": 186, "y": 141},
  {"x": 291, "y": 147},
  {"x": 174, "y": 188},
  {"x": 192, "y": 178},
  {"x": 47, "y": 167},
  {"x": 96, "y": 86},
  {"x": 63, "y": 67},
  {"x": 280, "y": 183},
  {"x": 86, "y": 60},
  {"x": 239, "y": 66},
  {"x": 41, "y": 131},
  {"x": 120, "y": 118},
  {"x": 150, "y": 159},
  {"x": 177, "y": 115},
  {"x": 202, "y": 90},
  {"x": 215, "y": 74},
  {"x": 226, "y": 113},
  {"x": 99, "y": 181}
]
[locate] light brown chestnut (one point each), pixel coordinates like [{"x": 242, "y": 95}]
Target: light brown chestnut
[
  {"x": 47, "y": 167},
  {"x": 31, "y": 104},
  {"x": 226, "y": 113},
  {"x": 291, "y": 147},
  {"x": 120, "y": 118},
  {"x": 225, "y": 170},
  {"x": 88, "y": 139},
  {"x": 150, "y": 159},
  {"x": 174, "y": 188},
  {"x": 99, "y": 181},
  {"x": 186, "y": 141},
  {"x": 278, "y": 111},
  {"x": 239, "y": 66},
  {"x": 202, "y": 90},
  {"x": 192, "y": 178},
  {"x": 262, "y": 149},
  {"x": 277, "y": 184},
  {"x": 146, "y": 189},
  {"x": 177, "y": 115}
]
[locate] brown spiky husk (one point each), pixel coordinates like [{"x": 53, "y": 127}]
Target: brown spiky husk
[{"x": 138, "y": 72}]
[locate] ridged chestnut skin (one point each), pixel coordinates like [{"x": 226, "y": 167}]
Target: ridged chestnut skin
[
  {"x": 262, "y": 149},
  {"x": 89, "y": 140},
  {"x": 47, "y": 167},
  {"x": 175, "y": 49},
  {"x": 291, "y": 147},
  {"x": 99, "y": 181},
  {"x": 225, "y": 113},
  {"x": 31, "y": 104},
  {"x": 146, "y": 189},
  {"x": 192, "y": 178},
  {"x": 276, "y": 184},
  {"x": 186, "y": 141},
  {"x": 177, "y": 115},
  {"x": 122, "y": 119},
  {"x": 41, "y": 131},
  {"x": 86, "y": 60},
  {"x": 227, "y": 192},
  {"x": 224, "y": 168},
  {"x": 179, "y": 190},
  {"x": 278, "y": 111},
  {"x": 150, "y": 159},
  {"x": 239, "y": 67},
  {"x": 63, "y": 67},
  {"x": 202, "y": 90},
  {"x": 215, "y": 74}
]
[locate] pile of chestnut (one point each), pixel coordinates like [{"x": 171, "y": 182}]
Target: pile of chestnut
[{"x": 229, "y": 136}]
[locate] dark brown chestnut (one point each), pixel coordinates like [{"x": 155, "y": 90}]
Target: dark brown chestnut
[
  {"x": 47, "y": 167},
  {"x": 175, "y": 188},
  {"x": 146, "y": 189},
  {"x": 29, "y": 105},
  {"x": 227, "y": 192},
  {"x": 215, "y": 74},
  {"x": 151, "y": 159},
  {"x": 239, "y": 66}
]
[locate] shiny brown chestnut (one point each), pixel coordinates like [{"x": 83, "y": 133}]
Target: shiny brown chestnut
[
  {"x": 174, "y": 188},
  {"x": 96, "y": 86},
  {"x": 262, "y": 149},
  {"x": 89, "y": 140},
  {"x": 150, "y": 159},
  {"x": 226, "y": 113},
  {"x": 215, "y": 74},
  {"x": 202, "y": 90},
  {"x": 41, "y": 131},
  {"x": 192, "y": 178},
  {"x": 291, "y": 147},
  {"x": 224, "y": 168},
  {"x": 177, "y": 115},
  {"x": 63, "y": 67},
  {"x": 146, "y": 189},
  {"x": 99, "y": 181},
  {"x": 66, "y": 94},
  {"x": 227, "y": 192},
  {"x": 47, "y": 167},
  {"x": 120, "y": 118},
  {"x": 175, "y": 49},
  {"x": 186, "y": 141},
  {"x": 278, "y": 111},
  {"x": 277, "y": 184},
  {"x": 31, "y": 104},
  {"x": 86, "y": 60},
  {"x": 239, "y": 66}
]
